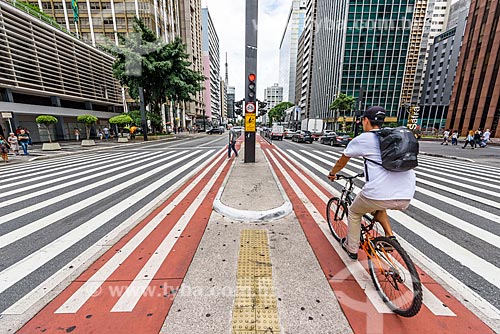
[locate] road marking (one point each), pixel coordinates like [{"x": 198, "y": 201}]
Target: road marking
[
  {"x": 480, "y": 266},
  {"x": 356, "y": 269},
  {"x": 17, "y": 271},
  {"x": 34, "y": 226},
  {"x": 23, "y": 305},
  {"x": 134, "y": 292},
  {"x": 76, "y": 176}
]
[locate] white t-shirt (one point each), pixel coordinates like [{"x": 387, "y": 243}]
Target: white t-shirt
[
  {"x": 446, "y": 134},
  {"x": 486, "y": 135},
  {"x": 381, "y": 184}
]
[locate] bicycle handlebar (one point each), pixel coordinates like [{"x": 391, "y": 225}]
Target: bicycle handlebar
[{"x": 350, "y": 178}]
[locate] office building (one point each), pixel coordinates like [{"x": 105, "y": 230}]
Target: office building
[
  {"x": 475, "y": 101},
  {"x": 289, "y": 47},
  {"x": 367, "y": 52},
  {"x": 211, "y": 66},
  {"x": 48, "y": 71},
  {"x": 100, "y": 22},
  {"x": 272, "y": 96},
  {"x": 231, "y": 91},
  {"x": 436, "y": 19},
  {"x": 440, "y": 73},
  {"x": 308, "y": 37}
]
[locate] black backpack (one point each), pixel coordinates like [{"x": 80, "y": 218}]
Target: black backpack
[{"x": 398, "y": 148}]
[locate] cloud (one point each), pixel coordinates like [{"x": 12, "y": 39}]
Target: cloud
[{"x": 228, "y": 17}]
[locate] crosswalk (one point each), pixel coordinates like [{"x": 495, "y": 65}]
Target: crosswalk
[
  {"x": 58, "y": 216},
  {"x": 451, "y": 228}
]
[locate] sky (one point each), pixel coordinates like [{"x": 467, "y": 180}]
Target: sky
[{"x": 228, "y": 17}]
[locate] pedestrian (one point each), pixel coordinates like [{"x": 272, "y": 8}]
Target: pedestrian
[
  {"x": 100, "y": 134},
  {"x": 4, "y": 148},
  {"x": 446, "y": 135},
  {"x": 486, "y": 137},
  {"x": 30, "y": 143},
  {"x": 24, "y": 139},
  {"x": 477, "y": 138},
  {"x": 14, "y": 144},
  {"x": 454, "y": 138},
  {"x": 469, "y": 139},
  {"x": 76, "y": 132},
  {"x": 105, "y": 131},
  {"x": 232, "y": 141}
]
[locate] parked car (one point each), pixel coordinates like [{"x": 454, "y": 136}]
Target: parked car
[
  {"x": 327, "y": 138},
  {"x": 303, "y": 137},
  {"x": 217, "y": 129}
]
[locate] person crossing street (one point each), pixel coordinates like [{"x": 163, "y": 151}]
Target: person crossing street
[{"x": 232, "y": 141}]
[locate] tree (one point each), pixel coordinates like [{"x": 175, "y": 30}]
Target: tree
[
  {"x": 46, "y": 120},
  {"x": 163, "y": 70},
  {"x": 88, "y": 120},
  {"x": 278, "y": 111},
  {"x": 121, "y": 121},
  {"x": 343, "y": 103}
]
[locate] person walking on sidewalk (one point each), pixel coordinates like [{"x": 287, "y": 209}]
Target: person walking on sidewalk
[
  {"x": 76, "y": 132},
  {"x": 469, "y": 139},
  {"x": 454, "y": 138},
  {"x": 486, "y": 137},
  {"x": 232, "y": 141},
  {"x": 383, "y": 190},
  {"x": 4, "y": 149},
  {"x": 24, "y": 140},
  {"x": 14, "y": 144},
  {"x": 446, "y": 135}
]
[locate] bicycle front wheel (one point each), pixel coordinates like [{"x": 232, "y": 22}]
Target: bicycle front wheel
[
  {"x": 395, "y": 277},
  {"x": 335, "y": 213}
]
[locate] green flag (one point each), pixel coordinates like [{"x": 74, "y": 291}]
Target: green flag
[{"x": 74, "y": 5}]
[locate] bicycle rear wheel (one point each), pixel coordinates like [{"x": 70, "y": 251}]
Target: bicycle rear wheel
[
  {"x": 395, "y": 277},
  {"x": 335, "y": 213}
]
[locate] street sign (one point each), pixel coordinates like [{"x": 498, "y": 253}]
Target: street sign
[
  {"x": 250, "y": 123},
  {"x": 6, "y": 115},
  {"x": 250, "y": 107}
]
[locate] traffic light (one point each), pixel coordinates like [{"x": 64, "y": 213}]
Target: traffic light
[
  {"x": 238, "y": 107},
  {"x": 252, "y": 93},
  {"x": 262, "y": 108}
]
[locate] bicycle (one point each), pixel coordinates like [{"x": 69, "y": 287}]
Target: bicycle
[{"x": 393, "y": 272}]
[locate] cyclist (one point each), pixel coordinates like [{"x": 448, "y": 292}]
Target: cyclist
[{"x": 383, "y": 190}]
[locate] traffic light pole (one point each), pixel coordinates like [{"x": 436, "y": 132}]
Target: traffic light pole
[{"x": 252, "y": 9}]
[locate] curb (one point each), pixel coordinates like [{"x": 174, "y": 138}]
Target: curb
[
  {"x": 446, "y": 156},
  {"x": 250, "y": 215}
]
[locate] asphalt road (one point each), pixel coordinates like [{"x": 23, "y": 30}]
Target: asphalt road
[{"x": 454, "y": 217}]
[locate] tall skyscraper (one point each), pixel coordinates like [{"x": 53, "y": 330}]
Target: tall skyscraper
[
  {"x": 475, "y": 102},
  {"x": 441, "y": 70},
  {"x": 307, "y": 61},
  {"x": 211, "y": 64},
  {"x": 368, "y": 51},
  {"x": 288, "y": 49},
  {"x": 435, "y": 24},
  {"x": 190, "y": 31}
]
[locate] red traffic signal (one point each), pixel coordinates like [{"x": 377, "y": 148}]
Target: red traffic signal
[{"x": 252, "y": 77}]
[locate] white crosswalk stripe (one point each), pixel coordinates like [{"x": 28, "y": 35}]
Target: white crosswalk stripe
[
  {"x": 46, "y": 186},
  {"x": 457, "y": 186}
]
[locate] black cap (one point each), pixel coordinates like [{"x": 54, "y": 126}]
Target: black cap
[{"x": 375, "y": 113}]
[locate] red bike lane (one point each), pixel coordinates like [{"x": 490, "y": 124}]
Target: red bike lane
[{"x": 440, "y": 313}]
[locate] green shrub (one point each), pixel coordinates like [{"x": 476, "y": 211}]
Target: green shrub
[{"x": 46, "y": 120}]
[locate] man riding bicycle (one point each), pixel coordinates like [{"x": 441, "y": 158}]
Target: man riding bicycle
[{"x": 383, "y": 190}]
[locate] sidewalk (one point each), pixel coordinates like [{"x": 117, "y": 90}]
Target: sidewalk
[
  {"x": 254, "y": 270},
  {"x": 35, "y": 151}
]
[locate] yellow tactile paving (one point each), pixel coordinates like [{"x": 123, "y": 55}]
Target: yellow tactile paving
[{"x": 255, "y": 305}]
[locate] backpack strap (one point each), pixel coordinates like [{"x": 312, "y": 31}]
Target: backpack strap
[{"x": 370, "y": 160}]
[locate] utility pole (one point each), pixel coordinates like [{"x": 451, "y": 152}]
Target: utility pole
[{"x": 252, "y": 10}]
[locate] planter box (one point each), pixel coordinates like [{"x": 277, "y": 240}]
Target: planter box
[
  {"x": 122, "y": 139},
  {"x": 89, "y": 142},
  {"x": 51, "y": 147}
]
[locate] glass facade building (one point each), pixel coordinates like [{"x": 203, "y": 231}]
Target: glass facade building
[
  {"x": 360, "y": 44},
  {"x": 376, "y": 46}
]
